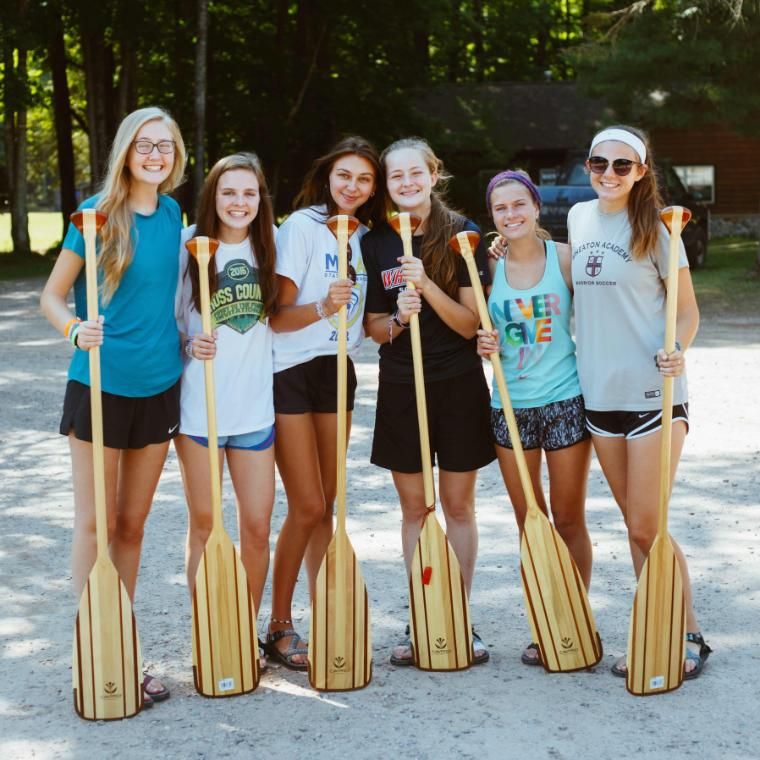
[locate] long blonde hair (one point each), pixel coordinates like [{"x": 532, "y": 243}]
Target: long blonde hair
[
  {"x": 116, "y": 235},
  {"x": 443, "y": 222}
]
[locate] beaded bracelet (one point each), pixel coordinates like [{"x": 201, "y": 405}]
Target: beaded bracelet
[
  {"x": 320, "y": 307},
  {"x": 189, "y": 347},
  {"x": 73, "y": 334}
]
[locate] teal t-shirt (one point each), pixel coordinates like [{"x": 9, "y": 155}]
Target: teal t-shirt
[
  {"x": 140, "y": 355},
  {"x": 537, "y": 349}
]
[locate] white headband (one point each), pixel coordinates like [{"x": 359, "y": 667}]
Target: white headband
[{"x": 623, "y": 136}]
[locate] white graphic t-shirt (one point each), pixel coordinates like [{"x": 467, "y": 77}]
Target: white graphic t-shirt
[
  {"x": 619, "y": 312},
  {"x": 243, "y": 362},
  {"x": 307, "y": 254}
]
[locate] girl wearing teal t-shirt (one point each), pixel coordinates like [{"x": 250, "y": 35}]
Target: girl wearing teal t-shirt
[
  {"x": 530, "y": 303},
  {"x": 137, "y": 333}
]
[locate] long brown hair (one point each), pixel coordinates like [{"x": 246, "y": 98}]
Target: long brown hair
[
  {"x": 644, "y": 203},
  {"x": 442, "y": 224},
  {"x": 260, "y": 231},
  {"x": 116, "y": 235},
  {"x": 315, "y": 190}
]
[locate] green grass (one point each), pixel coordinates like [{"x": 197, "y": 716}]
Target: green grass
[
  {"x": 727, "y": 284},
  {"x": 45, "y": 229}
]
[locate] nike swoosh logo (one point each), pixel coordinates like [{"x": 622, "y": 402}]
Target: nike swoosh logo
[
  {"x": 641, "y": 416},
  {"x": 172, "y": 429}
]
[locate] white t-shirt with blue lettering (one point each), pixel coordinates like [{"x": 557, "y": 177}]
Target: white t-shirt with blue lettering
[{"x": 307, "y": 254}]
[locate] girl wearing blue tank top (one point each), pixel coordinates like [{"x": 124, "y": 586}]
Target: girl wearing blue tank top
[
  {"x": 530, "y": 302},
  {"x": 139, "y": 355}
]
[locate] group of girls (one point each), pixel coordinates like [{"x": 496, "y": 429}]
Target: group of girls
[{"x": 275, "y": 295}]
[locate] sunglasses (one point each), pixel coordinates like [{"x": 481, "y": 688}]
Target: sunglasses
[{"x": 621, "y": 166}]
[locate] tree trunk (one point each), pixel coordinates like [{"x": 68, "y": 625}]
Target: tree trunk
[
  {"x": 15, "y": 97},
  {"x": 62, "y": 119},
  {"x": 200, "y": 96}
]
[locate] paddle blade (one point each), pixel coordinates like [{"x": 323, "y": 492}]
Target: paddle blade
[
  {"x": 340, "y": 638},
  {"x": 656, "y": 634},
  {"x": 667, "y": 217},
  {"x": 352, "y": 224},
  {"x": 225, "y": 644},
  {"x": 472, "y": 239},
  {"x": 414, "y": 222},
  {"x": 78, "y": 218},
  {"x": 106, "y": 670},
  {"x": 440, "y": 615},
  {"x": 560, "y": 616},
  {"x": 201, "y": 244}
]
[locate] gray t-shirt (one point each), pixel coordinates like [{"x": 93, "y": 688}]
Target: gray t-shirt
[{"x": 619, "y": 312}]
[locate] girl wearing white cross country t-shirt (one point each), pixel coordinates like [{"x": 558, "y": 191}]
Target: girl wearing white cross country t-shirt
[
  {"x": 344, "y": 181},
  {"x": 235, "y": 208},
  {"x": 620, "y": 264}
]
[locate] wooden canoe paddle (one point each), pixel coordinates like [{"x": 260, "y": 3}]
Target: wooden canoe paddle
[
  {"x": 340, "y": 638},
  {"x": 440, "y": 614},
  {"x": 560, "y": 616},
  {"x": 658, "y": 619},
  {"x": 225, "y": 643},
  {"x": 107, "y": 663}
]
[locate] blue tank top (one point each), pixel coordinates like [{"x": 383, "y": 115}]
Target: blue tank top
[{"x": 537, "y": 349}]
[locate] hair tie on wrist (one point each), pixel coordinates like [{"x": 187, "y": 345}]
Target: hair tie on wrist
[{"x": 319, "y": 306}]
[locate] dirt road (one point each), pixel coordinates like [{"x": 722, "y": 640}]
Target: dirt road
[{"x": 500, "y": 710}]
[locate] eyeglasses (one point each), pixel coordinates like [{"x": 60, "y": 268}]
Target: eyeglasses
[
  {"x": 621, "y": 166},
  {"x": 145, "y": 147}
]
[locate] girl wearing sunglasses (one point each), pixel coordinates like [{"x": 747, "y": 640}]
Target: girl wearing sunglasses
[
  {"x": 620, "y": 263},
  {"x": 530, "y": 303},
  {"x": 138, "y": 339},
  {"x": 343, "y": 181}
]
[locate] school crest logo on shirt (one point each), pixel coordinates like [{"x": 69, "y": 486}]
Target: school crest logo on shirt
[
  {"x": 237, "y": 302},
  {"x": 594, "y": 265}
]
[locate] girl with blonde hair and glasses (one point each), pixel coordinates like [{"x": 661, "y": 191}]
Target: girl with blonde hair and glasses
[{"x": 138, "y": 339}]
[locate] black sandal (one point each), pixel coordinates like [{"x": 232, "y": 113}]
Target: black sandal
[
  {"x": 525, "y": 660},
  {"x": 285, "y": 657},
  {"x": 699, "y": 659}
]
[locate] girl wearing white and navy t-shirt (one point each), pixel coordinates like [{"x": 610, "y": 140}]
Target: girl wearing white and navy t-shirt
[{"x": 344, "y": 181}]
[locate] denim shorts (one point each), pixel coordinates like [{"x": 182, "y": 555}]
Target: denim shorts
[{"x": 258, "y": 440}]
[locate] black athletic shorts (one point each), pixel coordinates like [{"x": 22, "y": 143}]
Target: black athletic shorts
[
  {"x": 458, "y": 412},
  {"x": 312, "y": 387},
  {"x": 128, "y": 423},
  {"x": 630, "y": 425},
  {"x": 550, "y": 427}
]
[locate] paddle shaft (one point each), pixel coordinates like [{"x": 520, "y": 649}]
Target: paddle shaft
[
  {"x": 419, "y": 378},
  {"x": 204, "y": 257},
  {"x": 498, "y": 372},
  {"x": 90, "y": 232},
  {"x": 342, "y": 378},
  {"x": 671, "y": 314}
]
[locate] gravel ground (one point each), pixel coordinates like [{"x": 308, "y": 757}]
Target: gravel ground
[{"x": 502, "y": 709}]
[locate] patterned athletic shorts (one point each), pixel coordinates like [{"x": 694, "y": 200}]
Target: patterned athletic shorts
[{"x": 551, "y": 427}]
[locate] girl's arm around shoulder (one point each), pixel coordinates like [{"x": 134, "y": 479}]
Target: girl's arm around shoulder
[{"x": 565, "y": 256}]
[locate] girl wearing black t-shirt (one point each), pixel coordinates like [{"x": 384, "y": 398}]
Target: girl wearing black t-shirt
[{"x": 456, "y": 390}]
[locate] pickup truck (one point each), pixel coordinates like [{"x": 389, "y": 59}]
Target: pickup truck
[{"x": 573, "y": 186}]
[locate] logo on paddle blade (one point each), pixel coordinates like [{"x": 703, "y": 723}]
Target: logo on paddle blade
[
  {"x": 110, "y": 690},
  {"x": 339, "y": 663},
  {"x": 440, "y": 643},
  {"x": 567, "y": 642}
]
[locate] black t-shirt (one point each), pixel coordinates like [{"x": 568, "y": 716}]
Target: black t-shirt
[{"x": 445, "y": 352}]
